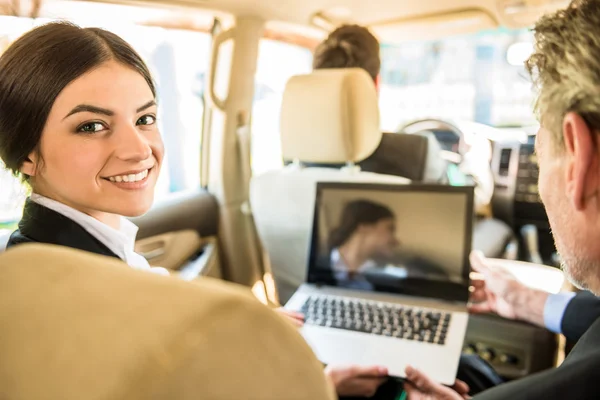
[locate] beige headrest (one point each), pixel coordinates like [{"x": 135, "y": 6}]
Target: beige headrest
[
  {"x": 81, "y": 326},
  {"x": 330, "y": 116}
]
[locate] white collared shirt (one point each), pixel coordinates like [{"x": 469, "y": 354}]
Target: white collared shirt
[
  {"x": 121, "y": 242},
  {"x": 340, "y": 271}
]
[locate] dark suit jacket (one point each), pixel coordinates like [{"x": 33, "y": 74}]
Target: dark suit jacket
[
  {"x": 42, "y": 225},
  {"x": 581, "y": 312},
  {"x": 577, "y": 378}
]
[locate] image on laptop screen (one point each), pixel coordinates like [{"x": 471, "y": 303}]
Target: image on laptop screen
[{"x": 402, "y": 239}]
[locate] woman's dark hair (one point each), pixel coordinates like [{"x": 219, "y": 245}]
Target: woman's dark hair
[
  {"x": 349, "y": 46},
  {"x": 37, "y": 67},
  {"x": 355, "y": 214}
]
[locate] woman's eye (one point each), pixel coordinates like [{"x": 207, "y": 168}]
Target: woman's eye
[
  {"x": 146, "y": 120},
  {"x": 91, "y": 127}
]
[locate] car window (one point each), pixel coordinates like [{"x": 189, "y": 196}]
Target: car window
[
  {"x": 277, "y": 62},
  {"x": 478, "y": 77}
]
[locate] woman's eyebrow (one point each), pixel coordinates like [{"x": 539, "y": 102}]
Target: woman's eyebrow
[
  {"x": 99, "y": 110},
  {"x": 147, "y": 105},
  {"x": 88, "y": 108}
]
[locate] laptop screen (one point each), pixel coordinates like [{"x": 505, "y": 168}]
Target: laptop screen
[{"x": 401, "y": 239}]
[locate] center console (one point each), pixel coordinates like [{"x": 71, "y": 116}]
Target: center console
[
  {"x": 516, "y": 198},
  {"x": 514, "y": 349}
]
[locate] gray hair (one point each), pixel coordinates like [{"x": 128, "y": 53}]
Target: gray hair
[{"x": 565, "y": 66}]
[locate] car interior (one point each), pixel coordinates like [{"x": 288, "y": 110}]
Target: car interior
[{"x": 250, "y": 129}]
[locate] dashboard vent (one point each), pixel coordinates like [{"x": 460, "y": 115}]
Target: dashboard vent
[{"x": 504, "y": 162}]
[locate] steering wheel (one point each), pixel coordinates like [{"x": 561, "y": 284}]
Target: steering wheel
[{"x": 472, "y": 156}]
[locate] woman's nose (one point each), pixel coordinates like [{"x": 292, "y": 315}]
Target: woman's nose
[{"x": 132, "y": 145}]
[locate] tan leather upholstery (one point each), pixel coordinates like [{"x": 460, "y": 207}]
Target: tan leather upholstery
[
  {"x": 80, "y": 326},
  {"x": 330, "y": 116}
]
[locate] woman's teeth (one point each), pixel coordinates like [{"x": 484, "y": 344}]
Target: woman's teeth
[{"x": 130, "y": 178}]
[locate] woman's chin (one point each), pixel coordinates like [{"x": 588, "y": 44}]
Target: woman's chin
[{"x": 134, "y": 211}]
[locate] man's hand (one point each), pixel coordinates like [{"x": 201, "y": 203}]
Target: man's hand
[
  {"x": 500, "y": 292},
  {"x": 419, "y": 387},
  {"x": 356, "y": 380},
  {"x": 292, "y": 316}
]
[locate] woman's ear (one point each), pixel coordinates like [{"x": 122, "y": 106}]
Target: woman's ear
[{"x": 30, "y": 165}]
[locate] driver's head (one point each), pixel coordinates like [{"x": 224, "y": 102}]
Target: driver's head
[
  {"x": 566, "y": 69},
  {"x": 349, "y": 46}
]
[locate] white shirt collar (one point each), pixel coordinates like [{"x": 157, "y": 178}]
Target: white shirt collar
[
  {"x": 338, "y": 264},
  {"x": 340, "y": 272},
  {"x": 121, "y": 242}
]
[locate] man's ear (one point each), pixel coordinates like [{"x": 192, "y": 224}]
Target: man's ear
[
  {"x": 582, "y": 157},
  {"x": 30, "y": 165},
  {"x": 378, "y": 83}
]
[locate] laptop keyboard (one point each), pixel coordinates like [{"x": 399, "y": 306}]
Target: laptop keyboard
[{"x": 385, "y": 319}]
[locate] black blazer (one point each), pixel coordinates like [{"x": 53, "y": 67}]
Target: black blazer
[
  {"x": 42, "y": 225},
  {"x": 577, "y": 378},
  {"x": 581, "y": 312}
]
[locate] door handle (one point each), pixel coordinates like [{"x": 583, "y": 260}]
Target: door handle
[{"x": 152, "y": 254}]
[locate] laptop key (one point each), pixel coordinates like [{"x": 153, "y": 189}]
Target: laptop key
[{"x": 376, "y": 318}]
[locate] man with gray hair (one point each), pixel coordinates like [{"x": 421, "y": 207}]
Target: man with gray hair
[{"x": 565, "y": 67}]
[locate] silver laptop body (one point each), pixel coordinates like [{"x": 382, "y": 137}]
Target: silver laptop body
[{"x": 411, "y": 310}]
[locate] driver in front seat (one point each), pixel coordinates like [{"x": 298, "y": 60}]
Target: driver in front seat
[{"x": 410, "y": 156}]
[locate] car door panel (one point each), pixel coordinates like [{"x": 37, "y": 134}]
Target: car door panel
[{"x": 180, "y": 234}]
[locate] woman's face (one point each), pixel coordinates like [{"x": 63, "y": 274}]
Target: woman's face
[
  {"x": 380, "y": 237},
  {"x": 101, "y": 150}
]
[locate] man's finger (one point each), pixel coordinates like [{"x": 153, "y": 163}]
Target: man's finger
[
  {"x": 480, "y": 308},
  {"x": 461, "y": 387},
  {"x": 291, "y": 314},
  {"x": 420, "y": 380},
  {"x": 373, "y": 371},
  {"x": 478, "y": 283},
  {"x": 478, "y": 262},
  {"x": 368, "y": 386},
  {"x": 410, "y": 389},
  {"x": 478, "y": 296},
  {"x": 297, "y": 316}
]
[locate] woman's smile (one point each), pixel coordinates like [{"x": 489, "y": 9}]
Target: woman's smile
[{"x": 131, "y": 180}]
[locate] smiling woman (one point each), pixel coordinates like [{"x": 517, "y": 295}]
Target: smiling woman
[
  {"x": 78, "y": 123},
  {"x": 93, "y": 118},
  {"x": 178, "y": 73}
]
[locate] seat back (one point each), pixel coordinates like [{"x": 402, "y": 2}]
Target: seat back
[
  {"x": 413, "y": 156},
  {"x": 80, "y": 326},
  {"x": 329, "y": 117}
]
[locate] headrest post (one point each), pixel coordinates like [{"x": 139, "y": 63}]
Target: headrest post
[
  {"x": 351, "y": 167},
  {"x": 296, "y": 164}
]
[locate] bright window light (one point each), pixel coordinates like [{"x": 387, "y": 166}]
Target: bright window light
[{"x": 518, "y": 53}]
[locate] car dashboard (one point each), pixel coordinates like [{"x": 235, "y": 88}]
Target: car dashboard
[{"x": 516, "y": 198}]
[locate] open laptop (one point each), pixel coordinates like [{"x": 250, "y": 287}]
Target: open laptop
[{"x": 388, "y": 276}]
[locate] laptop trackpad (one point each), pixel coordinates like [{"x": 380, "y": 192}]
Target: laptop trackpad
[
  {"x": 344, "y": 347},
  {"x": 339, "y": 347}
]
